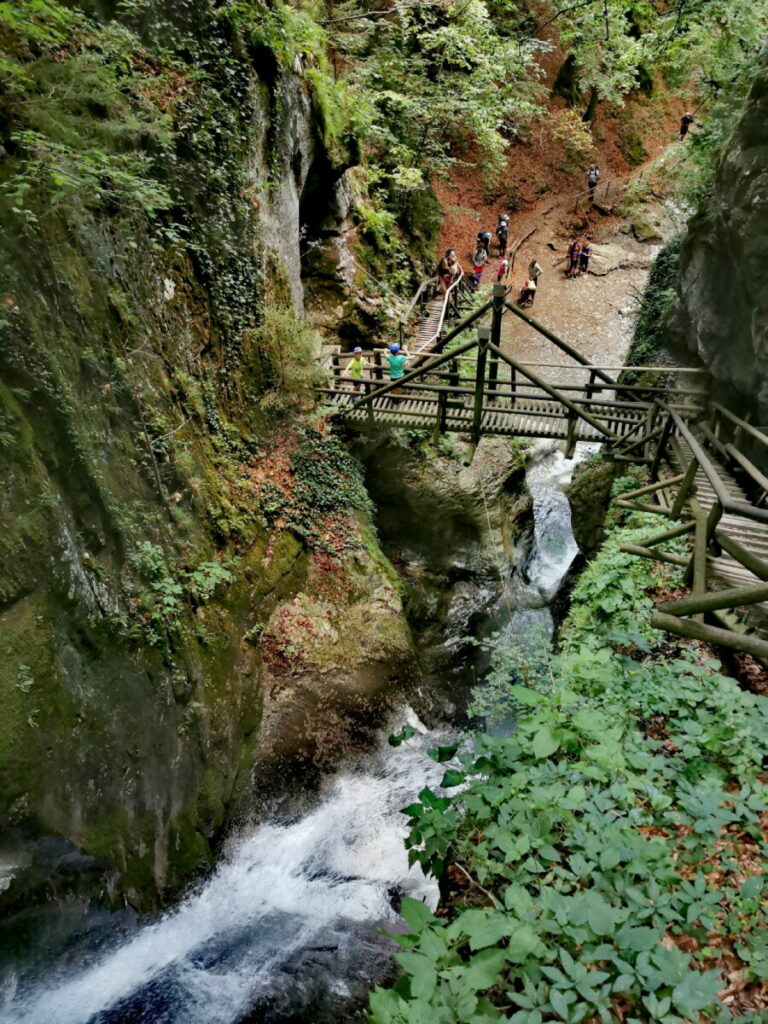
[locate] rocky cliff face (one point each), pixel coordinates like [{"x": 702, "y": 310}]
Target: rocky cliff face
[
  {"x": 157, "y": 592},
  {"x": 723, "y": 309}
]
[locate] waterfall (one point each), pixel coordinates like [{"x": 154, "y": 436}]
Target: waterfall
[
  {"x": 284, "y": 895},
  {"x": 286, "y": 928}
]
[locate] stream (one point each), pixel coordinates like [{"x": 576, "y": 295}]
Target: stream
[{"x": 286, "y": 929}]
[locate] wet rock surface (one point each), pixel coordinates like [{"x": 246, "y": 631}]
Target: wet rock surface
[{"x": 723, "y": 302}]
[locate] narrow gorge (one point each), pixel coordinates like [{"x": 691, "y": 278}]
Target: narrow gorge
[{"x": 327, "y": 699}]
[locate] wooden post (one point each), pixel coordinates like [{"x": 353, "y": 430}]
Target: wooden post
[
  {"x": 336, "y": 367},
  {"x": 661, "y": 448},
  {"x": 442, "y": 407},
  {"x": 499, "y": 296},
  {"x": 653, "y": 412},
  {"x": 378, "y": 370},
  {"x": 685, "y": 487},
  {"x": 483, "y": 337},
  {"x": 570, "y": 443},
  {"x": 371, "y": 417},
  {"x": 512, "y": 385},
  {"x": 453, "y": 378},
  {"x": 493, "y": 375},
  {"x": 590, "y": 384}
]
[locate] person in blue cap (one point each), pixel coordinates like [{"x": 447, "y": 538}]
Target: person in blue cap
[{"x": 397, "y": 357}]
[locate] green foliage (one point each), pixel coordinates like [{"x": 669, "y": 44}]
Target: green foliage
[
  {"x": 286, "y": 348},
  {"x": 431, "y": 75},
  {"x": 159, "y": 608},
  {"x": 658, "y": 298},
  {"x": 599, "y": 841},
  {"x": 614, "y": 43}
]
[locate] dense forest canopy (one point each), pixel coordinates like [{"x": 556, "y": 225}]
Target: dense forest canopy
[{"x": 92, "y": 95}]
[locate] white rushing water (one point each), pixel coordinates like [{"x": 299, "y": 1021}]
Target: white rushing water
[
  {"x": 280, "y": 890},
  {"x": 299, "y": 903},
  {"x": 555, "y": 548}
]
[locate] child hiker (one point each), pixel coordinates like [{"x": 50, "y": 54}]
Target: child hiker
[
  {"x": 503, "y": 270},
  {"x": 397, "y": 358},
  {"x": 355, "y": 368}
]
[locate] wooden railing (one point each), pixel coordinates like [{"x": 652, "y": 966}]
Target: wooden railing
[{"x": 677, "y": 497}]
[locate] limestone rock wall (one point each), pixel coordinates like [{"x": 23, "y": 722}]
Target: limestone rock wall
[{"x": 723, "y": 309}]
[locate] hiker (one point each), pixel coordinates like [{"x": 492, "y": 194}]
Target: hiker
[
  {"x": 584, "y": 255},
  {"x": 448, "y": 270},
  {"x": 502, "y": 234},
  {"x": 574, "y": 254},
  {"x": 503, "y": 270},
  {"x": 355, "y": 369},
  {"x": 478, "y": 264},
  {"x": 535, "y": 271},
  {"x": 484, "y": 241},
  {"x": 685, "y": 123},
  {"x": 593, "y": 176},
  {"x": 397, "y": 358},
  {"x": 527, "y": 293}
]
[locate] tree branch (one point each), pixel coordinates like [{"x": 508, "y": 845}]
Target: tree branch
[{"x": 561, "y": 12}]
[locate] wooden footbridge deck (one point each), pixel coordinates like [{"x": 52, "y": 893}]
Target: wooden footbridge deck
[{"x": 704, "y": 462}]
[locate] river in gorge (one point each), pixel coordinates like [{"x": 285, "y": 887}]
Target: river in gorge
[{"x": 287, "y": 928}]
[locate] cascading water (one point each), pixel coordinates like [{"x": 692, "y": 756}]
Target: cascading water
[
  {"x": 289, "y": 917},
  {"x": 553, "y": 546},
  {"x": 286, "y": 929}
]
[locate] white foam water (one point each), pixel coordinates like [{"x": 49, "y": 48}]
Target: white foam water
[{"x": 278, "y": 891}]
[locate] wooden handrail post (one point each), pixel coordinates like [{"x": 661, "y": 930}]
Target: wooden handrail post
[
  {"x": 493, "y": 375},
  {"x": 570, "y": 443},
  {"x": 513, "y": 385},
  {"x": 377, "y": 367},
  {"x": 336, "y": 366},
  {"x": 483, "y": 338},
  {"x": 591, "y": 384},
  {"x": 685, "y": 487},
  {"x": 653, "y": 412},
  {"x": 661, "y": 448},
  {"x": 440, "y": 424},
  {"x": 499, "y": 296}
]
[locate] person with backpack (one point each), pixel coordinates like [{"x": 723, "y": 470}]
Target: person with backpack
[
  {"x": 685, "y": 123},
  {"x": 527, "y": 293},
  {"x": 478, "y": 264},
  {"x": 535, "y": 270},
  {"x": 448, "y": 270},
  {"x": 502, "y": 234},
  {"x": 584, "y": 255},
  {"x": 574, "y": 254},
  {"x": 593, "y": 177},
  {"x": 484, "y": 241}
]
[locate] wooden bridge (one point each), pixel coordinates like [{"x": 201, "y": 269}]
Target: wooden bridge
[{"x": 703, "y": 461}]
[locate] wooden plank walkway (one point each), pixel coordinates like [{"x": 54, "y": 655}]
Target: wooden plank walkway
[
  {"x": 426, "y": 331},
  {"x": 724, "y": 571},
  {"x": 528, "y": 417}
]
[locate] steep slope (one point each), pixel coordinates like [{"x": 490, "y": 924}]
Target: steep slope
[
  {"x": 723, "y": 309},
  {"x": 162, "y": 524}
]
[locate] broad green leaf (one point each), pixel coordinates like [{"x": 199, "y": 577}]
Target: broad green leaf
[
  {"x": 545, "y": 742},
  {"x": 415, "y": 913},
  {"x": 484, "y": 968},
  {"x": 452, "y": 777}
]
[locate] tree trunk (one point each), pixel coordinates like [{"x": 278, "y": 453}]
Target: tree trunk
[{"x": 589, "y": 113}]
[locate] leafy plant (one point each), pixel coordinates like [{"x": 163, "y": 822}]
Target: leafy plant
[{"x": 577, "y": 854}]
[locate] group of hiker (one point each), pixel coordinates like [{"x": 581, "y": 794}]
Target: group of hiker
[
  {"x": 579, "y": 255},
  {"x": 396, "y": 356}
]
